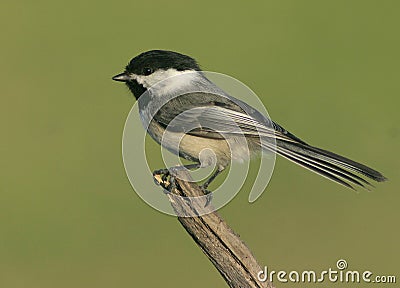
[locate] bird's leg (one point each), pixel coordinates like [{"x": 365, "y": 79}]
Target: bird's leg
[
  {"x": 208, "y": 182},
  {"x": 212, "y": 177}
]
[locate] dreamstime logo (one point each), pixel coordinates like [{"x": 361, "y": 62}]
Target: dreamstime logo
[
  {"x": 209, "y": 133},
  {"x": 339, "y": 274}
]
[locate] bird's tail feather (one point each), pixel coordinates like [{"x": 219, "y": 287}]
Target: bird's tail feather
[{"x": 330, "y": 165}]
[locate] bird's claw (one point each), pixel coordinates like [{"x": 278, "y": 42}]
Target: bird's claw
[{"x": 160, "y": 177}]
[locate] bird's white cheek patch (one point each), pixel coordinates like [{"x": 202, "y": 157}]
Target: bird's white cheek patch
[
  {"x": 139, "y": 79},
  {"x": 165, "y": 80}
]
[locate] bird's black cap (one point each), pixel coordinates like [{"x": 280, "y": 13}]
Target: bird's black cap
[{"x": 160, "y": 59}]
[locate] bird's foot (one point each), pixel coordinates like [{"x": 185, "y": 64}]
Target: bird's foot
[{"x": 165, "y": 179}]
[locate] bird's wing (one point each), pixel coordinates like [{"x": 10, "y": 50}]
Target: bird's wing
[
  {"x": 214, "y": 116},
  {"x": 217, "y": 122}
]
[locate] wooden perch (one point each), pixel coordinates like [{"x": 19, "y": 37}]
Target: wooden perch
[{"x": 223, "y": 247}]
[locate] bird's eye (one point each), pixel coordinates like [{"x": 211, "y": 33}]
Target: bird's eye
[{"x": 147, "y": 71}]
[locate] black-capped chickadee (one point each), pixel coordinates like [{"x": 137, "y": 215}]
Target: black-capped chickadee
[{"x": 169, "y": 84}]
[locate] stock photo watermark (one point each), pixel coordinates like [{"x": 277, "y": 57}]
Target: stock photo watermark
[{"x": 339, "y": 274}]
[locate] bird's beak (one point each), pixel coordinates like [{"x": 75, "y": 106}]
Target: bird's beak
[{"x": 123, "y": 77}]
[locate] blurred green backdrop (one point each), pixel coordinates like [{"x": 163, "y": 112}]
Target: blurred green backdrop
[{"x": 326, "y": 70}]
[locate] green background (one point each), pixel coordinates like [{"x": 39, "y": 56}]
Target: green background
[{"x": 326, "y": 70}]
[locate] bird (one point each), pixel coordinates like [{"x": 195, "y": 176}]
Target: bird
[{"x": 169, "y": 85}]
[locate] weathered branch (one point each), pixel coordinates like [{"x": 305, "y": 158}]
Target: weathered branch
[{"x": 223, "y": 247}]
